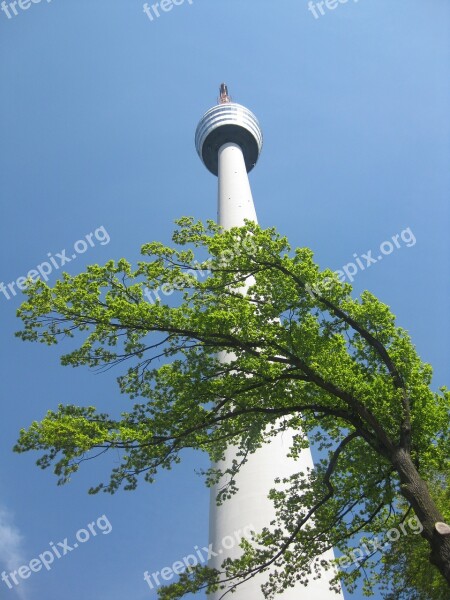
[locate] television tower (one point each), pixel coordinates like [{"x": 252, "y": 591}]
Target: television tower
[{"x": 229, "y": 141}]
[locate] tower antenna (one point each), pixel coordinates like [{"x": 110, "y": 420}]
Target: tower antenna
[{"x": 224, "y": 97}]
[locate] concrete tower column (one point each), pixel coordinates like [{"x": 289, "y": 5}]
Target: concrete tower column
[
  {"x": 235, "y": 196},
  {"x": 229, "y": 141}
]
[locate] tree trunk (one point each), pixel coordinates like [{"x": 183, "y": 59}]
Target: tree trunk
[{"x": 415, "y": 490}]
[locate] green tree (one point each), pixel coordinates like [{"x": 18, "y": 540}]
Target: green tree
[
  {"x": 303, "y": 354},
  {"x": 405, "y": 572}
]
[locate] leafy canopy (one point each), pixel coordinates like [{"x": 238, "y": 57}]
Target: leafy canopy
[{"x": 302, "y": 354}]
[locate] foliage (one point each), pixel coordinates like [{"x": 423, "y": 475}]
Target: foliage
[{"x": 301, "y": 354}]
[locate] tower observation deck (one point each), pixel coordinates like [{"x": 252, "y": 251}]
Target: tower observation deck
[{"x": 228, "y": 122}]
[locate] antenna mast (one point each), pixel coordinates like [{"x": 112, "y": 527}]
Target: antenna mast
[{"x": 224, "y": 97}]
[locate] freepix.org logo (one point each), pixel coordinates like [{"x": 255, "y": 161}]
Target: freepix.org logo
[
  {"x": 198, "y": 557},
  {"x": 317, "y": 9},
  {"x": 10, "y": 8},
  {"x": 54, "y": 262},
  {"x": 155, "y": 10},
  {"x": 47, "y": 558}
]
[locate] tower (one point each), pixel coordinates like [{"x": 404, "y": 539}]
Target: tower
[{"x": 229, "y": 140}]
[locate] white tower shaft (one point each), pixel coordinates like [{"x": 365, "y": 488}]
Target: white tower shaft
[
  {"x": 235, "y": 196},
  {"x": 229, "y": 140},
  {"x": 250, "y": 509}
]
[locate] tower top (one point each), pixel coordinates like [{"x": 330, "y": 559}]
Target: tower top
[
  {"x": 228, "y": 122},
  {"x": 223, "y": 95}
]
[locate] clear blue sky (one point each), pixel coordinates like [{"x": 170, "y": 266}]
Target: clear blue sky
[{"x": 97, "y": 114}]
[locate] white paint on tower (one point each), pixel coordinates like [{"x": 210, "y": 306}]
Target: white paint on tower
[{"x": 229, "y": 140}]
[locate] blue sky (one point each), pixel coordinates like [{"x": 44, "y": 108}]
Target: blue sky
[{"x": 98, "y": 110}]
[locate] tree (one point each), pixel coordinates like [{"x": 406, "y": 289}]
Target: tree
[
  {"x": 405, "y": 572},
  {"x": 303, "y": 354}
]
